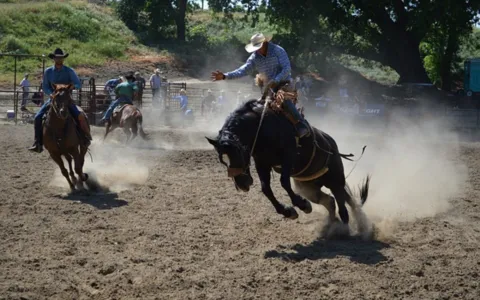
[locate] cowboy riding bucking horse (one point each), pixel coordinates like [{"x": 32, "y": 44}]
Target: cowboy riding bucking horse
[
  {"x": 125, "y": 92},
  {"x": 273, "y": 65},
  {"x": 59, "y": 74}
]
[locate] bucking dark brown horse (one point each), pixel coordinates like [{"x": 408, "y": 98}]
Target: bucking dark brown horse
[
  {"x": 129, "y": 118},
  {"x": 61, "y": 136}
]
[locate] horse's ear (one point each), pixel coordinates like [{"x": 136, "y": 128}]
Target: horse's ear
[
  {"x": 214, "y": 142},
  {"x": 54, "y": 86},
  {"x": 70, "y": 86}
]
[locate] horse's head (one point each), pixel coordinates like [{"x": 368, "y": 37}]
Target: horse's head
[
  {"x": 236, "y": 158},
  {"x": 62, "y": 99},
  {"x": 234, "y": 143}
]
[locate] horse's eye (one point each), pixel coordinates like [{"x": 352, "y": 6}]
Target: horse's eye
[{"x": 226, "y": 159}]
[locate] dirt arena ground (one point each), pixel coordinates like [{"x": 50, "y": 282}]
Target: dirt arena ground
[{"x": 173, "y": 226}]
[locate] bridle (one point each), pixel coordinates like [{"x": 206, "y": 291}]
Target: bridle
[
  {"x": 54, "y": 106},
  {"x": 240, "y": 151}
]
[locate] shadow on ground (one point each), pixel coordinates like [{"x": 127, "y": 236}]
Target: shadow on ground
[
  {"x": 364, "y": 252},
  {"x": 97, "y": 200}
]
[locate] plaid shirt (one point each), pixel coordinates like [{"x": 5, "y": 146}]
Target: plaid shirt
[{"x": 275, "y": 65}]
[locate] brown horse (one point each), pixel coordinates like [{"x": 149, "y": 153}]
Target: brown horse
[
  {"x": 129, "y": 118},
  {"x": 61, "y": 136}
]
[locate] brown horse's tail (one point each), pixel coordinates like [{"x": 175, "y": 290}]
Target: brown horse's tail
[{"x": 142, "y": 133}]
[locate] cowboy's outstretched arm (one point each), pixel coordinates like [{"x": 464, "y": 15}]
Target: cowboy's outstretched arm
[
  {"x": 284, "y": 63},
  {"x": 74, "y": 79},
  {"x": 46, "y": 84},
  {"x": 243, "y": 70}
]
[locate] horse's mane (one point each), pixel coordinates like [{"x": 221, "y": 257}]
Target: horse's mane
[{"x": 241, "y": 113}]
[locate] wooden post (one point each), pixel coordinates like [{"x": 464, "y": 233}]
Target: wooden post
[{"x": 15, "y": 94}]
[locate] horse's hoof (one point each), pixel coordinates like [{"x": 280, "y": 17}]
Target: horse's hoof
[
  {"x": 307, "y": 207},
  {"x": 291, "y": 213}
]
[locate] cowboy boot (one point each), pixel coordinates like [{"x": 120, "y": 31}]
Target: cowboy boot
[
  {"x": 37, "y": 145},
  {"x": 298, "y": 121}
]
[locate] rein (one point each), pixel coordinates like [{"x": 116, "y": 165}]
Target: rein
[
  {"x": 259, "y": 125},
  {"x": 55, "y": 110}
]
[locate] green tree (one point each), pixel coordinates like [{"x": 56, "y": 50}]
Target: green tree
[
  {"x": 386, "y": 31},
  {"x": 154, "y": 16}
]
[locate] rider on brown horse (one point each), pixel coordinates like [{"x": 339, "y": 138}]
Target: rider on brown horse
[
  {"x": 273, "y": 64},
  {"x": 59, "y": 74},
  {"x": 125, "y": 92}
]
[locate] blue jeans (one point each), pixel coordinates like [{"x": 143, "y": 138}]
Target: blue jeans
[
  {"x": 39, "y": 116},
  {"x": 121, "y": 99}
]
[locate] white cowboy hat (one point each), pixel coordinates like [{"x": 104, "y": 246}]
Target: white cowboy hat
[{"x": 256, "y": 42}]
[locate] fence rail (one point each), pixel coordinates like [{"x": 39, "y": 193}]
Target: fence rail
[{"x": 94, "y": 100}]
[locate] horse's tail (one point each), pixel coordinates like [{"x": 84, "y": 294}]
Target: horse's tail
[
  {"x": 142, "y": 133},
  {"x": 363, "y": 191}
]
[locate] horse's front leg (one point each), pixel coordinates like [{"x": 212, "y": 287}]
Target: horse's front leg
[
  {"x": 264, "y": 175},
  {"x": 297, "y": 200},
  {"x": 79, "y": 162},
  {"x": 58, "y": 159},
  {"x": 72, "y": 174}
]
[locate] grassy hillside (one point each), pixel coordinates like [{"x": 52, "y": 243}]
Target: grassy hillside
[{"x": 91, "y": 34}]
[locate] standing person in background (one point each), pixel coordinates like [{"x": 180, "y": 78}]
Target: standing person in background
[
  {"x": 110, "y": 86},
  {"x": 155, "y": 84},
  {"x": 141, "y": 83},
  {"x": 25, "y": 85},
  {"x": 208, "y": 103}
]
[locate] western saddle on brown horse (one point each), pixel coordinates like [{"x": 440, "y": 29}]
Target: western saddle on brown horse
[
  {"x": 61, "y": 136},
  {"x": 129, "y": 118}
]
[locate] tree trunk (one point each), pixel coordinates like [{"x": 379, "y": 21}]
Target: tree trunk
[
  {"x": 447, "y": 59},
  {"x": 180, "y": 20},
  {"x": 404, "y": 57}
]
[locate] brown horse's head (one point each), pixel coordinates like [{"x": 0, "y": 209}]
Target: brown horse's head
[{"x": 61, "y": 100}]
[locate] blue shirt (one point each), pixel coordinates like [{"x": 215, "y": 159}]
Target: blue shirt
[
  {"x": 275, "y": 66},
  {"x": 65, "y": 75},
  {"x": 112, "y": 83},
  {"x": 183, "y": 101}
]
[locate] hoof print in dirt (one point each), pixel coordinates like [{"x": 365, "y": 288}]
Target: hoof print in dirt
[{"x": 107, "y": 270}]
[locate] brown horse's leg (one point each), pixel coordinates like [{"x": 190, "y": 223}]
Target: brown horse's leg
[
  {"x": 127, "y": 132},
  {"x": 72, "y": 174},
  {"x": 58, "y": 159},
  {"x": 108, "y": 125},
  {"x": 79, "y": 161},
  {"x": 134, "y": 129}
]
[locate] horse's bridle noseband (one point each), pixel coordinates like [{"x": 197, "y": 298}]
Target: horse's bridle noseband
[
  {"x": 233, "y": 172},
  {"x": 54, "y": 107}
]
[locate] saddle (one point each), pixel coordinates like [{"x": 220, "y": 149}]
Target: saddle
[{"x": 120, "y": 107}]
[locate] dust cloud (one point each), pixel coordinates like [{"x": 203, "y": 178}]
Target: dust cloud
[
  {"x": 413, "y": 165},
  {"x": 115, "y": 167}
]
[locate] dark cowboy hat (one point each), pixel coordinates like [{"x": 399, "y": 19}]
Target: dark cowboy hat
[
  {"x": 58, "y": 53},
  {"x": 130, "y": 76}
]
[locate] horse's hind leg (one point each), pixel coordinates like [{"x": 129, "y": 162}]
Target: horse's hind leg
[
  {"x": 342, "y": 197},
  {"x": 58, "y": 159},
  {"x": 134, "y": 130},
  {"x": 128, "y": 133}
]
